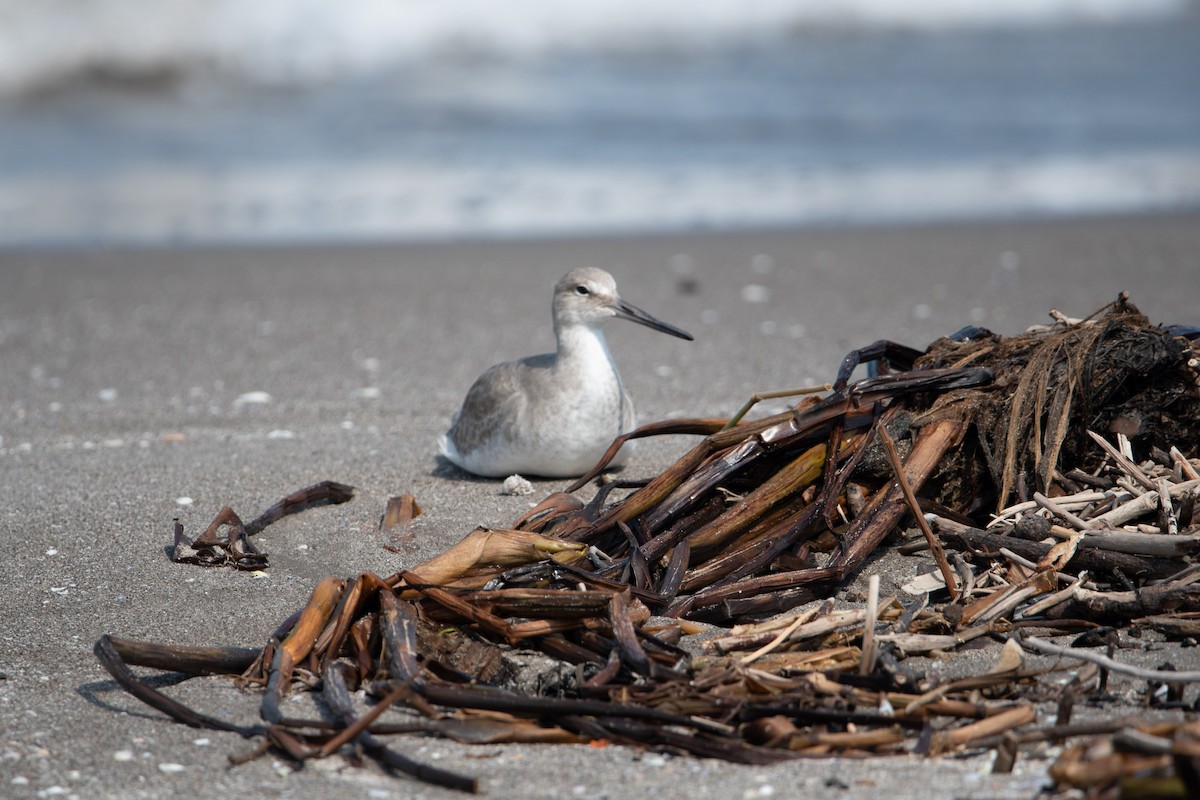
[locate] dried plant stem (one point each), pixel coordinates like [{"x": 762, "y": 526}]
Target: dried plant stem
[
  {"x": 868, "y": 638},
  {"x": 758, "y": 397},
  {"x": 935, "y": 547},
  {"x": 1015, "y": 717}
]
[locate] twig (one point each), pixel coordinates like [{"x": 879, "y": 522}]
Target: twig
[
  {"x": 364, "y": 722},
  {"x": 758, "y": 397},
  {"x": 1058, "y": 511},
  {"x": 337, "y": 696},
  {"x": 1072, "y": 501},
  {"x": 319, "y": 494},
  {"x": 778, "y": 640},
  {"x": 1061, "y": 596},
  {"x": 1126, "y": 465},
  {"x": 1163, "y": 676},
  {"x": 935, "y": 547},
  {"x": 1166, "y": 515},
  {"x": 1004, "y": 721},
  {"x": 1142, "y": 504},
  {"x": 1184, "y": 464},
  {"x": 868, "y": 639},
  {"x": 180, "y": 658},
  {"x": 110, "y": 659}
]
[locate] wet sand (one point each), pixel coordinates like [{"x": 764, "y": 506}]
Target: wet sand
[{"x": 134, "y": 379}]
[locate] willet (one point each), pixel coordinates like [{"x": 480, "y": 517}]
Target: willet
[{"x": 554, "y": 414}]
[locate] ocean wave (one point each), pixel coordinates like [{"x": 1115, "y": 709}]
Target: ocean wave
[
  {"x": 414, "y": 201},
  {"x": 301, "y": 42}
]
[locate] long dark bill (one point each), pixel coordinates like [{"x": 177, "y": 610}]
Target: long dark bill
[{"x": 635, "y": 314}]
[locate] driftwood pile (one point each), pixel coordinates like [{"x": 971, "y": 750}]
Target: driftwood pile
[{"x": 1053, "y": 477}]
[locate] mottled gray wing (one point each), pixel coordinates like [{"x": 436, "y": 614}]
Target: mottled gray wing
[{"x": 492, "y": 404}]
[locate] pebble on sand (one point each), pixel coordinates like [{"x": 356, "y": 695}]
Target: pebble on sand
[
  {"x": 755, "y": 293},
  {"x": 257, "y": 398}
]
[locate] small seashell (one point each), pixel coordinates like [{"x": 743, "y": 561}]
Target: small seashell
[{"x": 515, "y": 485}]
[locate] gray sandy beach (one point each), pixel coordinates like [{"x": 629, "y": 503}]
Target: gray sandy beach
[{"x": 137, "y": 386}]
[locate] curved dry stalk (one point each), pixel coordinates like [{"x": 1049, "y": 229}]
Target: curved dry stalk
[
  {"x": 758, "y": 397},
  {"x": 1157, "y": 675},
  {"x": 698, "y": 426},
  {"x": 109, "y": 657}
]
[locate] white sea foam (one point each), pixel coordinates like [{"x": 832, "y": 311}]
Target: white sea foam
[
  {"x": 419, "y": 200},
  {"x": 305, "y": 41}
]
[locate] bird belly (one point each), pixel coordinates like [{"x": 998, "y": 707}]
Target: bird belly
[
  {"x": 567, "y": 438},
  {"x": 561, "y": 435}
]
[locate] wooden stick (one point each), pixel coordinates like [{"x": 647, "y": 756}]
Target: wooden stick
[
  {"x": 1162, "y": 676},
  {"x": 1089, "y": 558},
  {"x": 885, "y": 509},
  {"x": 110, "y": 659},
  {"x": 1058, "y": 511},
  {"x": 1061, "y": 596},
  {"x": 1142, "y": 504},
  {"x": 1167, "y": 519},
  {"x": 1070, "y": 501},
  {"x": 1184, "y": 464},
  {"x": 190, "y": 660},
  {"x": 1015, "y": 717},
  {"x": 364, "y": 722},
  {"x": 1126, "y": 465},
  {"x": 776, "y": 641},
  {"x": 868, "y": 639},
  {"x": 1143, "y": 544},
  {"x": 935, "y": 547},
  {"x": 337, "y": 696}
]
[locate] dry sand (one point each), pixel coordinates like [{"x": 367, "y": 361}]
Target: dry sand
[{"x": 133, "y": 379}]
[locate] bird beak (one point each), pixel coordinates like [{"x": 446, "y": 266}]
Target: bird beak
[{"x": 634, "y": 314}]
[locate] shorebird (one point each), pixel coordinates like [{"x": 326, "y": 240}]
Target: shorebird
[{"x": 553, "y": 414}]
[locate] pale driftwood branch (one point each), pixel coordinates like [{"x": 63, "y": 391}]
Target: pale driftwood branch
[
  {"x": 1167, "y": 518},
  {"x": 868, "y": 639},
  {"x": 1051, "y": 600},
  {"x": 1127, "y": 466},
  {"x": 1158, "y": 545},
  {"x": 1058, "y": 511},
  {"x": 1092, "y": 559},
  {"x": 1135, "y": 508},
  {"x": 1164, "y": 676},
  {"x": 917, "y": 643},
  {"x": 1071, "y": 502},
  {"x": 1184, "y": 464},
  {"x": 1141, "y": 543}
]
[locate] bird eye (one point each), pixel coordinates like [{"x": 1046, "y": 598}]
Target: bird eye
[{"x": 581, "y": 290}]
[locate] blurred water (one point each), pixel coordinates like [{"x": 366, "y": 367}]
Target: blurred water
[{"x": 447, "y": 124}]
